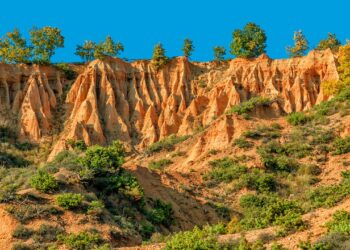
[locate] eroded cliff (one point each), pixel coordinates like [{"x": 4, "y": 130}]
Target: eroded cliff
[{"x": 131, "y": 102}]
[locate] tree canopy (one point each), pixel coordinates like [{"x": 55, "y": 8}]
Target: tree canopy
[
  {"x": 188, "y": 47},
  {"x": 301, "y": 45},
  {"x": 331, "y": 42},
  {"x": 14, "y": 48},
  {"x": 45, "y": 41},
  {"x": 248, "y": 42},
  {"x": 219, "y": 53},
  {"x": 159, "y": 59}
]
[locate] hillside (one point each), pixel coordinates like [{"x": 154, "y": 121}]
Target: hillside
[{"x": 253, "y": 146}]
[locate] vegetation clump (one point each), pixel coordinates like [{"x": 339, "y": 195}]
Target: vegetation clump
[
  {"x": 160, "y": 164},
  {"x": 248, "y": 42},
  {"x": 219, "y": 53},
  {"x": 44, "y": 182},
  {"x": 69, "y": 201},
  {"x": 331, "y": 42},
  {"x": 301, "y": 45},
  {"x": 165, "y": 144},
  {"x": 250, "y": 105},
  {"x": 159, "y": 59}
]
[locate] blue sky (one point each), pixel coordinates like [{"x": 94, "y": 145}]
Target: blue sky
[{"x": 139, "y": 25}]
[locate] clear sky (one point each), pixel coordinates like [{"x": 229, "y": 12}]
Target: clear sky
[{"x": 139, "y": 25}]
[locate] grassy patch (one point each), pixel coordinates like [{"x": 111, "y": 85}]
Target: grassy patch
[
  {"x": 160, "y": 164},
  {"x": 165, "y": 144},
  {"x": 250, "y": 105}
]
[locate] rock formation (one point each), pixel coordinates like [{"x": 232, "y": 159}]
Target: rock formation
[
  {"x": 113, "y": 99},
  {"x": 28, "y": 95}
]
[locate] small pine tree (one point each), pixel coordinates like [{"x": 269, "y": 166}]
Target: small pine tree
[
  {"x": 14, "y": 49},
  {"x": 45, "y": 41},
  {"x": 86, "y": 51},
  {"x": 159, "y": 59},
  {"x": 331, "y": 42},
  {"x": 301, "y": 45},
  {"x": 249, "y": 42},
  {"x": 188, "y": 47},
  {"x": 219, "y": 53}
]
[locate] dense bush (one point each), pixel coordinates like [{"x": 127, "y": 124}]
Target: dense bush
[
  {"x": 81, "y": 241},
  {"x": 159, "y": 164},
  {"x": 165, "y": 144},
  {"x": 224, "y": 170},
  {"x": 297, "y": 118},
  {"x": 199, "y": 239},
  {"x": 161, "y": 213},
  {"x": 100, "y": 159},
  {"x": 264, "y": 210},
  {"x": 69, "y": 200},
  {"x": 273, "y": 155},
  {"x": 341, "y": 145},
  {"x": 259, "y": 181},
  {"x": 44, "y": 182},
  {"x": 250, "y": 105},
  {"x": 340, "y": 222},
  {"x": 242, "y": 143},
  {"x": 328, "y": 196}
]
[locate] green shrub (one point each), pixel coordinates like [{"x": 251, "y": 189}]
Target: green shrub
[
  {"x": 341, "y": 145},
  {"x": 224, "y": 170},
  {"x": 297, "y": 118},
  {"x": 161, "y": 213},
  {"x": 250, "y": 105},
  {"x": 160, "y": 164},
  {"x": 242, "y": 143},
  {"x": 259, "y": 181},
  {"x": 103, "y": 159},
  {"x": 81, "y": 241},
  {"x": 262, "y": 210},
  {"x": 95, "y": 209},
  {"x": 69, "y": 200},
  {"x": 146, "y": 229},
  {"x": 44, "y": 182},
  {"x": 328, "y": 196},
  {"x": 22, "y": 232},
  {"x": 197, "y": 238},
  {"x": 340, "y": 222},
  {"x": 165, "y": 144},
  {"x": 79, "y": 144}
]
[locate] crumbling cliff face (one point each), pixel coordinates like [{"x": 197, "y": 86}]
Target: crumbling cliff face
[
  {"x": 28, "y": 95},
  {"x": 131, "y": 102}
]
